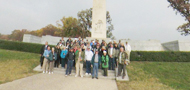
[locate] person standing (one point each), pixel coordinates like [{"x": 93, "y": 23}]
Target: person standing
[
  {"x": 79, "y": 41},
  {"x": 102, "y": 44},
  {"x": 88, "y": 57},
  {"x": 79, "y": 59},
  {"x": 45, "y": 63},
  {"x": 122, "y": 61},
  {"x": 58, "y": 61},
  {"x": 114, "y": 42},
  {"x": 119, "y": 44},
  {"x": 116, "y": 53},
  {"x": 122, "y": 46},
  {"x": 59, "y": 43},
  {"x": 83, "y": 47},
  {"x": 70, "y": 57},
  {"x": 105, "y": 61},
  {"x": 63, "y": 41},
  {"x": 69, "y": 40},
  {"x": 109, "y": 44},
  {"x": 93, "y": 46},
  {"x": 43, "y": 48},
  {"x": 111, "y": 53},
  {"x": 98, "y": 48},
  {"x": 128, "y": 50},
  {"x": 96, "y": 59},
  {"x": 63, "y": 57},
  {"x": 68, "y": 46},
  {"x": 52, "y": 58}
]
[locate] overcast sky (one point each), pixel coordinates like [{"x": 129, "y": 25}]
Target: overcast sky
[{"x": 134, "y": 19}]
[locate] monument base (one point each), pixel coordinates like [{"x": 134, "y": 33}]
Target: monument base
[{"x": 100, "y": 39}]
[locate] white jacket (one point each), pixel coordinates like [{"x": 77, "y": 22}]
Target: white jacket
[
  {"x": 88, "y": 55},
  {"x": 128, "y": 48}
]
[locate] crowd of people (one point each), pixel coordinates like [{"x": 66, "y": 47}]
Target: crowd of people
[{"x": 89, "y": 54}]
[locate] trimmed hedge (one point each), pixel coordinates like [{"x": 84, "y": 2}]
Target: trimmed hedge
[
  {"x": 161, "y": 56},
  {"x": 20, "y": 46}
]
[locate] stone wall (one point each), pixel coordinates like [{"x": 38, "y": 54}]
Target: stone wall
[
  {"x": 136, "y": 45},
  {"x": 178, "y": 45},
  {"x": 171, "y": 46},
  {"x": 31, "y": 38},
  {"x": 184, "y": 45},
  {"x": 148, "y": 45}
]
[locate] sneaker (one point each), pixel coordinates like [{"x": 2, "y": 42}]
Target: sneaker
[
  {"x": 75, "y": 75},
  {"x": 96, "y": 77},
  {"x": 123, "y": 77},
  {"x": 46, "y": 71},
  {"x": 89, "y": 74},
  {"x": 86, "y": 74},
  {"x": 43, "y": 71},
  {"x": 81, "y": 76},
  {"x": 49, "y": 72},
  {"x": 66, "y": 75}
]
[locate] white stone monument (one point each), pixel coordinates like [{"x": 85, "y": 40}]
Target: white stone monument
[{"x": 99, "y": 19}]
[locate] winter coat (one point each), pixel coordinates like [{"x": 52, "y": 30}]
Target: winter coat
[
  {"x": 77, "y": 56},
  {"x": 105, "y": 61}
]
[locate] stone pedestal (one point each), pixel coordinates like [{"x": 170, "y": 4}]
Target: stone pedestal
[{"x": 99, "y": 19}]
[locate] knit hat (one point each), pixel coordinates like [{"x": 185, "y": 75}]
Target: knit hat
[{"x": 104, "y": 52}]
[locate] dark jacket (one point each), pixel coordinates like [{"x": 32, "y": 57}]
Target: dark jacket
[
  {"x": 99, "y": 59},
  {"x": 68, "y": 41},
  {"x": 58, "y": 51},
  {"x": 71, "y": 55},
  {"x": 93, "y": 48},
  {"x": 42, "y": 49}
]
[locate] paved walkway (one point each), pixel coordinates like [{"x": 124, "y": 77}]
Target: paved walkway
[{"x": 59, "y": 82}]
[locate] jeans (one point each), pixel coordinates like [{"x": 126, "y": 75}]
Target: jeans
[
  {"x": 69, "y": 67},
  {"x": 95, "y": 69},
  {"x": 63, "y": 62},
  {"x": 88, "y": 65},
  {"x": 111, "y": 63}
]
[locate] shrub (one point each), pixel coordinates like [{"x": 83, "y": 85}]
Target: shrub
[
  {"x": 162, "y": 56},
  {"x": 20, "y": 46}
]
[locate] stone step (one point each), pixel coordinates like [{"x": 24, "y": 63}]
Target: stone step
[
  {"x": 111, "y": 73},
  {"x": 100, "y": 73}
]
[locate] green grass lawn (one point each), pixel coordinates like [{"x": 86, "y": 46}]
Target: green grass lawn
[
  {"x": 157, "y": 76},
  {"x": 15, "y": 65},
  {"x": 143, "y": 75}
]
